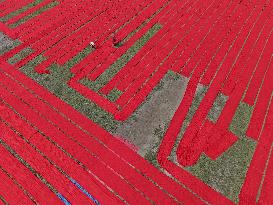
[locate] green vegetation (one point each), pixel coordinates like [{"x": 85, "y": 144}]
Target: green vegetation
[
  {"x": 241, "y": 119},
  {"x": 171, "y": 75},
  {"x": 217, "y": 107},
  {"x": 227, "y": 173},
  {"x": 19, "y": 56},
  {"x": 114, "y": 95}
]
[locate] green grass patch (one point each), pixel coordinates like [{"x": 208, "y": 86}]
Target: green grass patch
[
  {"x": 90, "y": 84},
  {"x": 173, "y": 75},
  {"x": 241, "y": 119},
  {"x": 217, "y": 107},
  {"x": 19, "y": 56},
  {"x": 227, "y": 173},
  {"x": 114, "y": 95}
]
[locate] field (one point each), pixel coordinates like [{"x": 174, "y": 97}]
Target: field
[{"x": 136, "y": 102}]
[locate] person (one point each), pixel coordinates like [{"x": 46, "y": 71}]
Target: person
[
  {"x": 92, "y": 44},
  {"x": 115, "y": 40}
]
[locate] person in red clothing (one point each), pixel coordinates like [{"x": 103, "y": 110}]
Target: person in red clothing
[{"x": 115, "y": 40}]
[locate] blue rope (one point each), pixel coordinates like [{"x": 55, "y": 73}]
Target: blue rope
[
  {"x": 85, "y": 192},
  {"x": 64, "y": 200}
]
